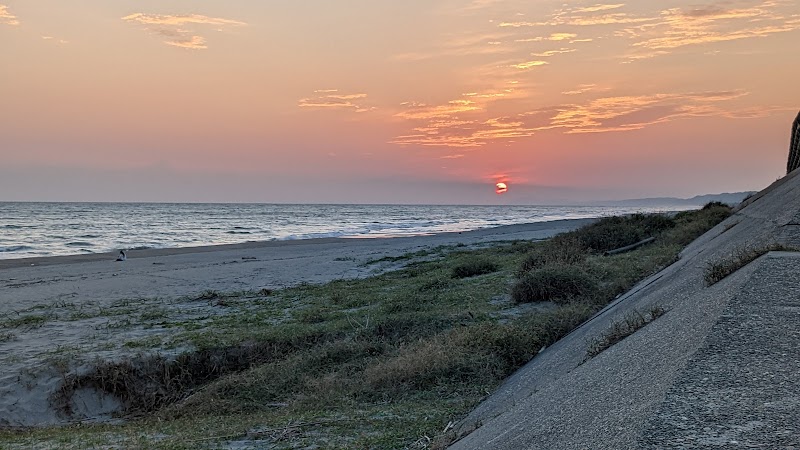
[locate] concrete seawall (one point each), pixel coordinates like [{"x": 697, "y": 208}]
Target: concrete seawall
[
  {"x": 721, "y": 369},
  {"x": 794, "y": 146}
]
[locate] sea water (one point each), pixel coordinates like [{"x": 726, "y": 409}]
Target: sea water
[{"x": 51, "y": 229}]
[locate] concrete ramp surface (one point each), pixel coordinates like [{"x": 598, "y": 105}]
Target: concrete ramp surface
[{"x": 721, "y": 369}]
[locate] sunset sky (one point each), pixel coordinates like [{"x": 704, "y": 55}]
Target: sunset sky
[{"x": 379, "y": 101}]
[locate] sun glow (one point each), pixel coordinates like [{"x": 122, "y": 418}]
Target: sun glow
[{"x": 500, "y": 188}]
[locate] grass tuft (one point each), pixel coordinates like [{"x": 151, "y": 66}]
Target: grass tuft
[
  {"x": 621, "y": 329},
  {"x": 559, "y": 284},
  {"x": 717, "y": 271},
  {"x": 29, "y": 321},
  {"x": 565, "y": 249}
]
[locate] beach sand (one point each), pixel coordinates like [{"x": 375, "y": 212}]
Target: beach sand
[{"x": 61, "y": 313}]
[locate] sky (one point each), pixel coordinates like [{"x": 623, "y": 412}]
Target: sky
[{"x": 382, "y": 101}]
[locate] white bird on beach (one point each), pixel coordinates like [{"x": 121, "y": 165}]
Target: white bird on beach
[{"x": 122, "y": 256}]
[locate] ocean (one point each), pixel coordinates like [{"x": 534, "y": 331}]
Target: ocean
[{"x": 52, "y": 229}]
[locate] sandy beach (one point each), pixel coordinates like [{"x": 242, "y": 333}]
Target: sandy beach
[{"x": 62, "y": 312}]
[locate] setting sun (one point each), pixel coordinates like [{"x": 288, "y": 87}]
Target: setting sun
[{"x": 501, "y": 188}]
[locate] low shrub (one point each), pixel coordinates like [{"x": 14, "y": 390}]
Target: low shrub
[
  {"x": 474, "y": 268},
  {"x": 564, "y": 249},
  {"x": 689, "y": 225},
  {"x": 712, "y": 205},
  {"x": 615, "y": 232},
  {"x": 559, "y": 284}
]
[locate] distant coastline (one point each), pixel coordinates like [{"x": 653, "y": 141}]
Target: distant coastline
[
  {"x": 31, "y": 230},
  {"x": 729, "y": 198}
]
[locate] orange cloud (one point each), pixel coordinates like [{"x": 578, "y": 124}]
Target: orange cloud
[
  {"x": 678, "y": 28},
  {"x": 460, "y": 123},
  {"x": 57, "y": 41},
  {"x": 333, "y": 99},
  {"x": 466, "y": 45},
  {"x": 529, "y": 64},
  {"x": 180, "y": 20},
  {"x": 663, "y": 32},
  {"x": 6, "y": 17},
  {"x": 571, "y": 37},
  {"x": 190, "y": 42},
  {"x": 174, "y": 27},
  {"x": 627, "y": 113},
  {"x": 598, "y": 7},
  {"x": 584, "y": 88},
  {"x": 449, "y": 126},
  {"x": 583, "y": 16},
  {"x": 451, "y": 108},
  {"x": 550, "y": 53}
]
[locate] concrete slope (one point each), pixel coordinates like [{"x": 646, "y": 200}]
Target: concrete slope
[{"x": 682, "y": 380}]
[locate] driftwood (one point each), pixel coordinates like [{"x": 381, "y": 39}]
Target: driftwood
[{"x": 628, "y": 248}]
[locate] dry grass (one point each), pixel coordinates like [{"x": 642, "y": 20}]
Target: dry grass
[
  {"x": 719, "y": 270},
  {"x": 562, "y": 250},
  {"x": 376, "y": 363},
  {"x": 621, "y": 329},
  {"x": 559, "y": 284}
]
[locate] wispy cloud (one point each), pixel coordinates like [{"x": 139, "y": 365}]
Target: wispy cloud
[
  {"x": 471, "y": 44},
  {"x": 570, "y": 37},
  {"x": 519, "y": 48},
  {"x": 549, "y": 53},
  {"x": 598, "y": 7},
  {"x": 676, "y": 28},
  {"x": 421, "y": 111},
  {"x": 582, "y": 16},
  {"x": 584, "y": 88},
  {"x": 627, "y": 113},
  {"x": 6, "y": 17},
  {"x": 55, "y": 40},
  {"x": 180, "y": 20},
  {"x": 529, "y": 64},
  {"x": 460, "y": 123},
  {"x": 333, "y": 99},
  {"x": 662, "y": 32},
  {"x": 181, "y": 30},
  {"x": 465, "y": 124},
  {"x": 190, "y": 42}
]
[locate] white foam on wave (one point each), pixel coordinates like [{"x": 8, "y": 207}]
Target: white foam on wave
[{"x": 71, "y": 228}]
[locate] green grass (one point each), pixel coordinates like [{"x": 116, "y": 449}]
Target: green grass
[
  {"x": 26, "y": 321},
  {"x": 382, "y": 362},
  {"x": 560, "y": 284},
  {"x": 571, "y": 267},
  {"x": 474, "y": 268}
]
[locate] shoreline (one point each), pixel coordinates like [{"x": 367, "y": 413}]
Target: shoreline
[
  {"x": 11, "y": 263},
  {"x": 86, "y": 305}
]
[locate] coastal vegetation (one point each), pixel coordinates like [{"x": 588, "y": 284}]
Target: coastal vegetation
[
  {"x": 620, "y": 329},
  {"x": 718, "y": 270},
  {"x": 389, "y": 361}
]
